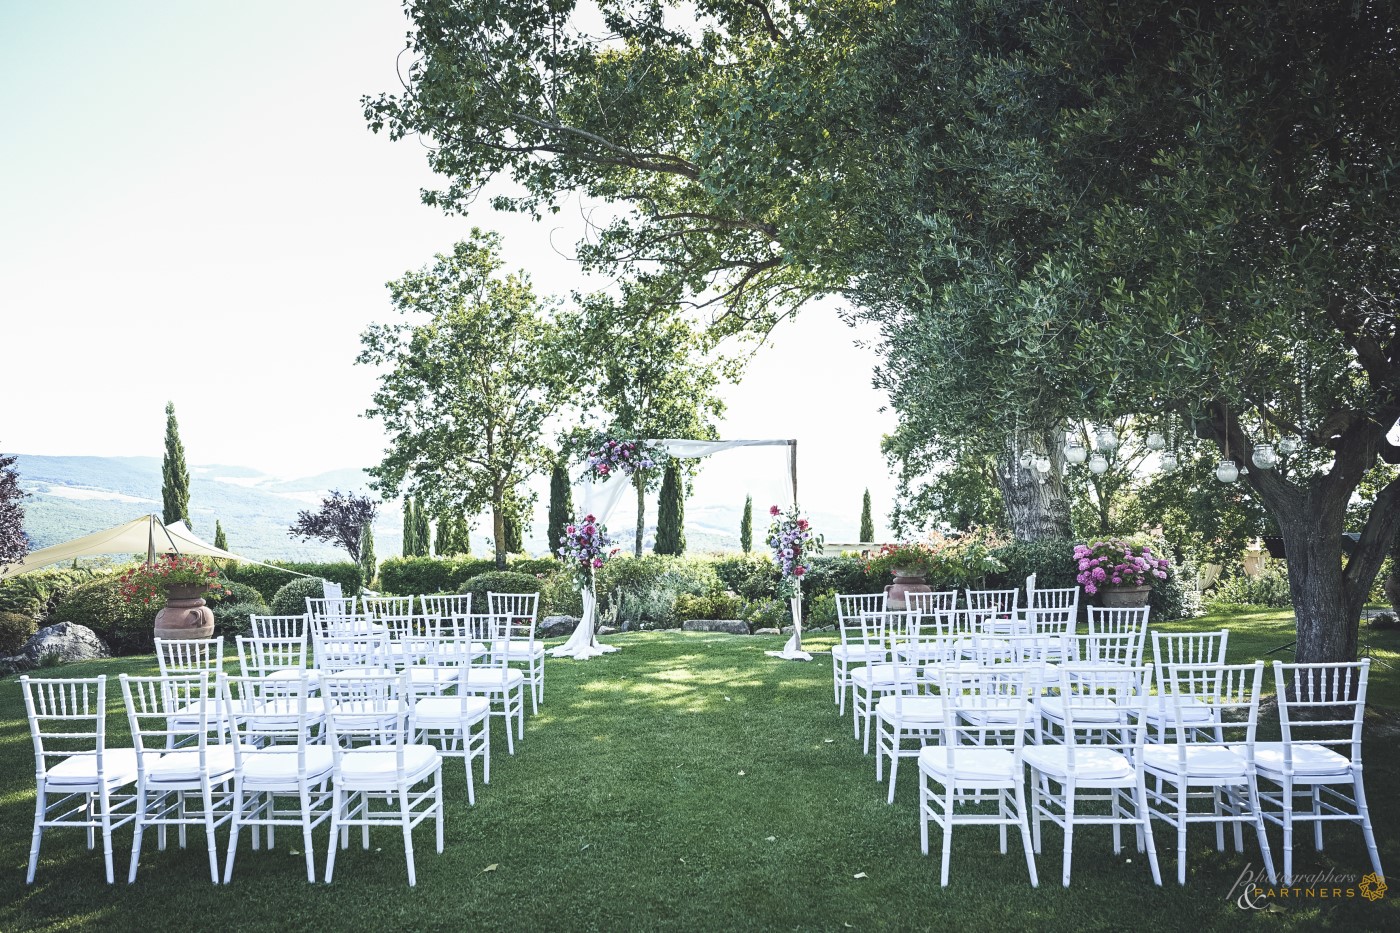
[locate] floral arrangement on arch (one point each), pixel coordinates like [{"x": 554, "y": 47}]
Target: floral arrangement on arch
[
  {"x": 145, "y": 582},
  {"x": 793, "y": 543},
  {"x": 585, "y": 546},
  {"x": 613, "y": 457},
  {"x": 1117, "y": 563}
]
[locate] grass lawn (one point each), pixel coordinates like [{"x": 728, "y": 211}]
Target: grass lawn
[{"x": 686, "y": 782}]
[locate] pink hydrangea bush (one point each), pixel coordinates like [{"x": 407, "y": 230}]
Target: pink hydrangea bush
[{"x": 1117, "y": 563}]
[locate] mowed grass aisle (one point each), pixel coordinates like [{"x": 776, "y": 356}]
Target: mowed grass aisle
[{"x": 687, "y": 782}]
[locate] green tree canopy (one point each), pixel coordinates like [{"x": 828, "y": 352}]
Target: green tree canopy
[
  {"x": 867, "y": 520},
  {"x": 467, "y": 382},
  {"x": 746, "y": 526}
]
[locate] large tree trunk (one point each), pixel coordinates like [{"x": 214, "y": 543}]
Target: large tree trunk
[
  {"x": 1311, "y": 513},
  {"x": 1034, "y": 510},
  {"x": 498, "y": 529},
  {"x": 639, "y": 480}
]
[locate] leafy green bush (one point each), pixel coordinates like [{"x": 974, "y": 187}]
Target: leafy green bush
[
  {"x": 642, "y": 591},
  {"x": 752, "y": 576},
  {"x": 1050, "y": 559},
  {"x": 15, "y": 629},
  {"x": 534, "y": 565},
  {"x": 290, "y": 600},
  {"x": 499, "y": 581},
  {"x": 1176, "y": 596},
  {"x": 127, "y": 628},
  {"x": 414, "y": 576},
  {"x": 845, "y": 575},
  {"x": 821, "y": 609},
  {"x": 1269, "y": 589},
  {"x": 559, "y": 595},
  {"x": 35, "y": 594},
  {"x": 268, "y": 580},
  {"x": 690, "y": 606},
  {"x": 768, "y": 613},
  {"x": 243, "y": 593},
  {"x": 231, "y": 619}
]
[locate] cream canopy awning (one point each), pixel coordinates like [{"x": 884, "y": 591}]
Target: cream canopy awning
[{"x": 146, "y": 535}]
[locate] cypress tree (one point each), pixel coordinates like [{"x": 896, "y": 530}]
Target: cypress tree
[
  {"x": 442, "y": 536},
  {"x": 368, "y": 565},
  {"x": 561, "y": 505},
  {"x": 410, "y": 533},
  {"x": 175, "y": 474},
  {"x": 461, "y": 535},
  {"x": 746, "y": 526},
  {"x": 867, "y": 523},
  {"x": 514, "y": 536},
  {"x": 220, "y": 541},
  {"x": 670, "y": 512},
  {"x": 422, "y": 534}
]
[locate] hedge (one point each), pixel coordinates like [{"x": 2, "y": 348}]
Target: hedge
[
  {"x": 416, "y": 576},
  {"x": 499, "y": 581},
  {"x": 268, "y": 580}
]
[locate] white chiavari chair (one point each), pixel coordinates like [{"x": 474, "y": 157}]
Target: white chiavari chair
[
  {"x": 871, "y": 682},
  {"x": 518, "y": 615},
  {"x": 851, "y": 650},
  {"x": 459, "y": 725}
]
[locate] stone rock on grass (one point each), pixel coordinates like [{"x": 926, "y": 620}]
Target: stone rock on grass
[
  {"x": 726, "y": 626},
  {"x": 607, "y": 630},
  {"x": 558, "y": 626},
  {"x": 766, "y": 631},
  {"x": 66, "y": 641}
]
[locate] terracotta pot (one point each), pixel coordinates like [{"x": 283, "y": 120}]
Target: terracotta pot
[
  {"x": 905, "y": 581},
  {"x": 1125, "y": 597},
  {"x": 185, "y": 615}
]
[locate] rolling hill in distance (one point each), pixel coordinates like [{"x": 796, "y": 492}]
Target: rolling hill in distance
[{"x": 73, "y": 496}]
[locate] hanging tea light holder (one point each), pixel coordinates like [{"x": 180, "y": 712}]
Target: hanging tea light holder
[
  {"x": 1075, "y": 452},
  {"x": 1098, "y": 464}
]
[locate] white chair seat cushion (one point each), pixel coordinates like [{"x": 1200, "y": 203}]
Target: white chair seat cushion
[
  {"x": 279, "y": 768},
  {"x": 183, "y": 766},
  {"x": 449, "y": 711},
  {"x": 1193, "y": 711},
  {"x": 1090, "y": 763},
  {"x": 518, "y": 650},
  {"x": 489, "y": 679},
  {"x": 292, "y": 673},
  {"x": 970, "y": 763},
  {"x": 433, "y": 676},
  {"x": 118, "y": 766},
  {"x": 1002, "y": 712},
  {"x": 910, "y": 709},
  {"x": 883, "y": 675},
  {"x": 1054, "y": 708},
  {"x": 858, "y": 652},
  {"x": 1205, "y": 761},
  {"x": 376, "y": 767},
  {"x": 1308, "y": 760}
]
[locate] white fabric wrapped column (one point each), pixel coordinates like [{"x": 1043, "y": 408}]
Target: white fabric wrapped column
[
  {"x": 584, "y": 644},
  {"x": 792, "y": 651}
]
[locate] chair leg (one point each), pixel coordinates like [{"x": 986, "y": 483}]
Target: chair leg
[
  {"x": 1144, "y": 816},
  {"x": 1253, "y": 791},
  {"x": 486, "y": 750},
  {"x": 467, "y": 760},
  {"x": 140, "y": 829},
  {"x": 40, "y": 810},
  {"x": 337, "y": 803},
  {"x": 1020, "y": 792},
  {"x": 947, "y": 833},
  {"x": 235, "y": 825},
  {"x": 923, "y": 813},
  {"x": 1317, "y": 812},
  {"x": 106, "y": 802},
  {"x": 1068, "y": 790},
  {"x": 306, "y": 845},
  {"x": 1287, "y": 799},
  {"x": 406, "y": 819},
  {"x": 437, "y": 803},
  {"x": 1181, "y": 830},
  {"x": 894, "y": 767},
  {"x": 1035, "y": 811},
  {"x": 1364, "y": 812},
  {"x": 208, "y": 795}
]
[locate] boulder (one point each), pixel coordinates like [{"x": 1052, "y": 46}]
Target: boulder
[
  {"x": 607, "y": 630},
  {"x": 766, "y": 631},
  {"x": 67, "y": 641},
  {"x": 558, "y": 626},
  {"x": 726, "y": 626}
]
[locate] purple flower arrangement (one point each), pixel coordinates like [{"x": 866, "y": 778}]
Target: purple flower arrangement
[
  {"x": 793, "y": 543},
  {"x": 585, "y": 547},
  {"x": 615, "y": 457},
  {"x": 1117, "y": 563}
]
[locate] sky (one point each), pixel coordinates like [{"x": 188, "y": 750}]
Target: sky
[{"x": 192, "y": 209}]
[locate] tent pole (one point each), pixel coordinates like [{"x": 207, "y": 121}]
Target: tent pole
[
  {"x": 151, "y": 541},
  {"x": 792, "y": 465}
]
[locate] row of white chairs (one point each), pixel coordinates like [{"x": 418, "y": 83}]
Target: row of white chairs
[
  {"x": 1085, "y": 724},
  {"x": 209, "y": 749},
  {"x": 516, "y": 613}
]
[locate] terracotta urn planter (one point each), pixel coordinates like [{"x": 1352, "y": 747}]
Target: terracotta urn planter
[
  {"x": 1125, "y": 597},
  {"x": 905, "y": 581},
  {"x": 185, "y": 615}
]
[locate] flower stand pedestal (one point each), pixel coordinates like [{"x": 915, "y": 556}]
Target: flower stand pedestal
[
  {"x": 185, "y": 615},
  {"x": 1125, "y": 597}
]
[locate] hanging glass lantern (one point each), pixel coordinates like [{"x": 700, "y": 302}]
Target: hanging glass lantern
[
  {"x": 1027, "y": 460},
  {"x": 1042, "y": 465},
  {"x": 1155, "y": 441},
  {"x": 1106, "y": 440},
  {"x": 1098, "y": 465},
  {"x": 1226, "y": 471},
  {"x": 1169, "y": 461},
  {"x": 1075, "y": 452},
  {"x": 1289, "y": 445},
  {"x": 1264, "y": 457}
]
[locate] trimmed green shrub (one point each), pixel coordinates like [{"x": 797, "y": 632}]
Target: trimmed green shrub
[
  {"x": 559, "y": 595},
  {"x": 243, "y": 593},
  {"x": 534, "y": 565},
  {"x": 416, "y": 576},
  {"x": 290, "y": 600},
  {"x": 769, "y": 613},
  {"x": 820, "y": 610},
  {"x": 690, "y": 606},
  {"x": 641, "y": 591},
  {"x": 1269, "y": 589},
  {"x": 499, "y": 581},
  {"x": 844, "y": 575},
  {"x": 127, "y": 628},
  {"x": 1050, "y": 559},
  {"x": 15, "y": 629},
  {"x": 231, "y": 619},
  {"x": 752, "y": 576},
  {"x": 268, "y": 580}
]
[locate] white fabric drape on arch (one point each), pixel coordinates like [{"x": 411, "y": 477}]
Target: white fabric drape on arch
[{"x": 600, "y": 499}]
